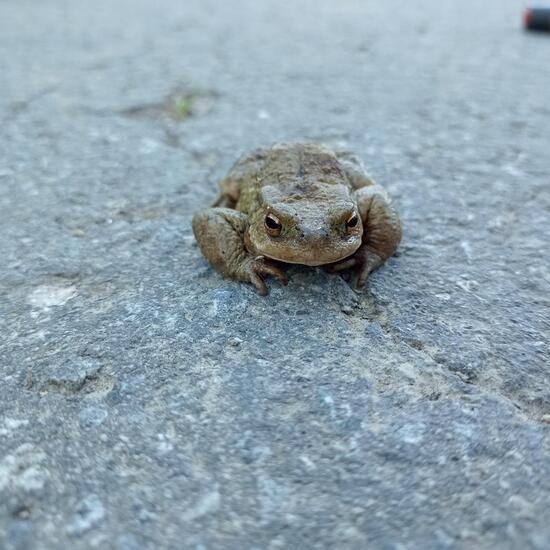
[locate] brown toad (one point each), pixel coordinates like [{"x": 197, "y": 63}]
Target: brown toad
[{"x": 297, "y": 203}]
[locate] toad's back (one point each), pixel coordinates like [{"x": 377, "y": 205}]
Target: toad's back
[
  {"x": 300, "y": 166},
  {"x": 294, "y": 170}
]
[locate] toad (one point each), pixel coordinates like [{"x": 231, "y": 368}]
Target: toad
[{"x": 297, "y": 203}]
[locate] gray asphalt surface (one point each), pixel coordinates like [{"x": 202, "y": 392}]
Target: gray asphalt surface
[{"x": 145, "y": 402}]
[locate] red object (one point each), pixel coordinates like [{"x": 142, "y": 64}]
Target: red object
[{"x": 527, "y": 17}]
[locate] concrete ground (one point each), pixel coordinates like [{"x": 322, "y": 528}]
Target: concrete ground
[{"x": 147, "y": 403}]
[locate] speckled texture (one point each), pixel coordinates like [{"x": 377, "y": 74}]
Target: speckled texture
[{"x": 146, "y": 402}]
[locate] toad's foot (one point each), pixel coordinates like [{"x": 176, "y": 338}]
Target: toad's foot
[
  {"x": 361, "y": 264},
  {"x": 256, "y": 269}
]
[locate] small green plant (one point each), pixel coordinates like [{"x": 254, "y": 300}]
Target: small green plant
[{"x": 182, "y": 106}]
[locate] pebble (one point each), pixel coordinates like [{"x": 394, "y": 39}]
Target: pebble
[
  {"x": 89, "y": 514},
  {"x": 91, "y": 417}
]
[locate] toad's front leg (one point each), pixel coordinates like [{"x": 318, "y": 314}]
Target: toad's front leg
[
  {"x": 220, "y": 233},
  {"x": 381, "y": 233}
]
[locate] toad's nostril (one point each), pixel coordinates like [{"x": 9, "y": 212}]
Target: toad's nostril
[{"x": 316, "y": 232}]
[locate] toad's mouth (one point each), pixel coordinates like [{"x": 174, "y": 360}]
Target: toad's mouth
[
  {"x": 311, "y": 256},
  {"x": 312, "y": 262}
]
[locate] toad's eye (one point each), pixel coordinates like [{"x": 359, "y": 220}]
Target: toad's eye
[
  {"x": 353, "y": 220},
  {"x": 273, "y": 225}
]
